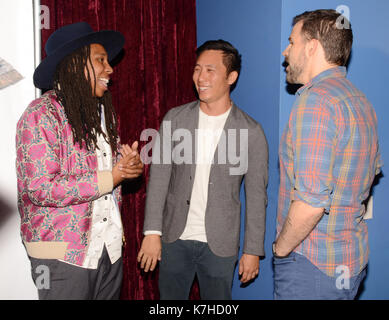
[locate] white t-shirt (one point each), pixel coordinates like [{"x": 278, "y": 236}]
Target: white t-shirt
[{"x": 208, "y": 136}]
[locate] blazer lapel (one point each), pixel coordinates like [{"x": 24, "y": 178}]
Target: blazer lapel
[{"x": 192, "y": 125}]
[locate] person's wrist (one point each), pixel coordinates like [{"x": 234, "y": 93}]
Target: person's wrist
[
  {"x": 117, "y": 176},
  {"x": 153, "y": 235},
  {"x": 274, "y": 245}
]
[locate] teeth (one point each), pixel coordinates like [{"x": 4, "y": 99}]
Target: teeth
[{"x": 104, "y": 80}]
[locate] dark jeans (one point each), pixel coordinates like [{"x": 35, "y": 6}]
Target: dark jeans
[
  {"x": 182, "y": 260},
  {"x": 296, "y": 278},
  {"x": 57, "y": 280}
]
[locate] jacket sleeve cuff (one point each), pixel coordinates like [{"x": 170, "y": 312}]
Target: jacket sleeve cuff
[
  {"x": 256, "y": 252},
  {"x": 105, "y": 182},
  {"x": 146, "y": 233}
]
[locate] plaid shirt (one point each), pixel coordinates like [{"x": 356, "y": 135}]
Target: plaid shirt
[{"x": 328, "y": 159}]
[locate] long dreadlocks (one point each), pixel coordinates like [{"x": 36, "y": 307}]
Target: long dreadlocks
[{"x": 82, "y": 109}]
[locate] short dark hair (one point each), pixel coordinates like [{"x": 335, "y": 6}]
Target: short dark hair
[
  {"x": 231, "y": 57},
  {"x": 324, "y": 25}
]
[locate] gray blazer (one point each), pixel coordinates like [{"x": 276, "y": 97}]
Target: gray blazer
[{"x": 170, "y": 185}]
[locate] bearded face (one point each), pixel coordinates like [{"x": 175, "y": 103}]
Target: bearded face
[{"x": 295, "y": 56}]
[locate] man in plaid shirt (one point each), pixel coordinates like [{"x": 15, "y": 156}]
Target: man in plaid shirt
[{"x": 328, "y": 160}]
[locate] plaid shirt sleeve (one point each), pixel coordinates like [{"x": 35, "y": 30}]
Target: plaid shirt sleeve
[{"x": 313, "y": 132}]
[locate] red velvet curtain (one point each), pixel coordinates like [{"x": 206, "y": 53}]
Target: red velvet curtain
[{"x": 153, "y": 75}]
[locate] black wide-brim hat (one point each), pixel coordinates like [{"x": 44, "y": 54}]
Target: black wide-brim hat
[{"x": 68, "y": 39}]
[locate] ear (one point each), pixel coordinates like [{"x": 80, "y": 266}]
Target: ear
[
  {"x": 311, "y": 47},
  {"x": 232, "y": 77}
]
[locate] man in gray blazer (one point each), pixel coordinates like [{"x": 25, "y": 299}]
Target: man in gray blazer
[{"x": 203, "y": 152}]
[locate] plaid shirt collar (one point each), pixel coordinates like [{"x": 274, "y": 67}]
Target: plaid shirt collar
[{"x": 336, "y": 72}]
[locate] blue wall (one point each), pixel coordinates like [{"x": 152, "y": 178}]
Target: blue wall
[
  {"x": 254, "y": 29},
  {"x": 260, "y": 30}
]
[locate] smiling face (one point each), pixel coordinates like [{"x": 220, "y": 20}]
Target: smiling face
[
  {"x": 210, "y": 77},
  {"x": 101, "y": 67},
  {"x": 295, "y": 56}
]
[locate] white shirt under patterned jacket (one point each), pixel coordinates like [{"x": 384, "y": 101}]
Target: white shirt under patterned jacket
[{"x": 106, "y": 225}]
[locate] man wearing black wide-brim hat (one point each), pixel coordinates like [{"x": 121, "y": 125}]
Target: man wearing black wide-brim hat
[{"x": 70, "y": 167}]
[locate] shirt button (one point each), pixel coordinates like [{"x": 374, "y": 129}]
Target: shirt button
[
  {"x": 104, "y": 154},
  {"x": 106, "y": 197},
  {"x": 105, "y": 219},
  {"x": 188, "y": 202}
]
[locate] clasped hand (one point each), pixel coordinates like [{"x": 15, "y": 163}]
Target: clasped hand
[{"x": 130, "y": 165}]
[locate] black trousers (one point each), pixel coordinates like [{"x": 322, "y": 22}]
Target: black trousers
[
  {"x": 181, "y": 260},
  {"x": 57, "y": 280}
]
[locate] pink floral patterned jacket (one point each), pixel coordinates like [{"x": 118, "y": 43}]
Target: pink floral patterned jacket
[{"x": 57, "y": 182}]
